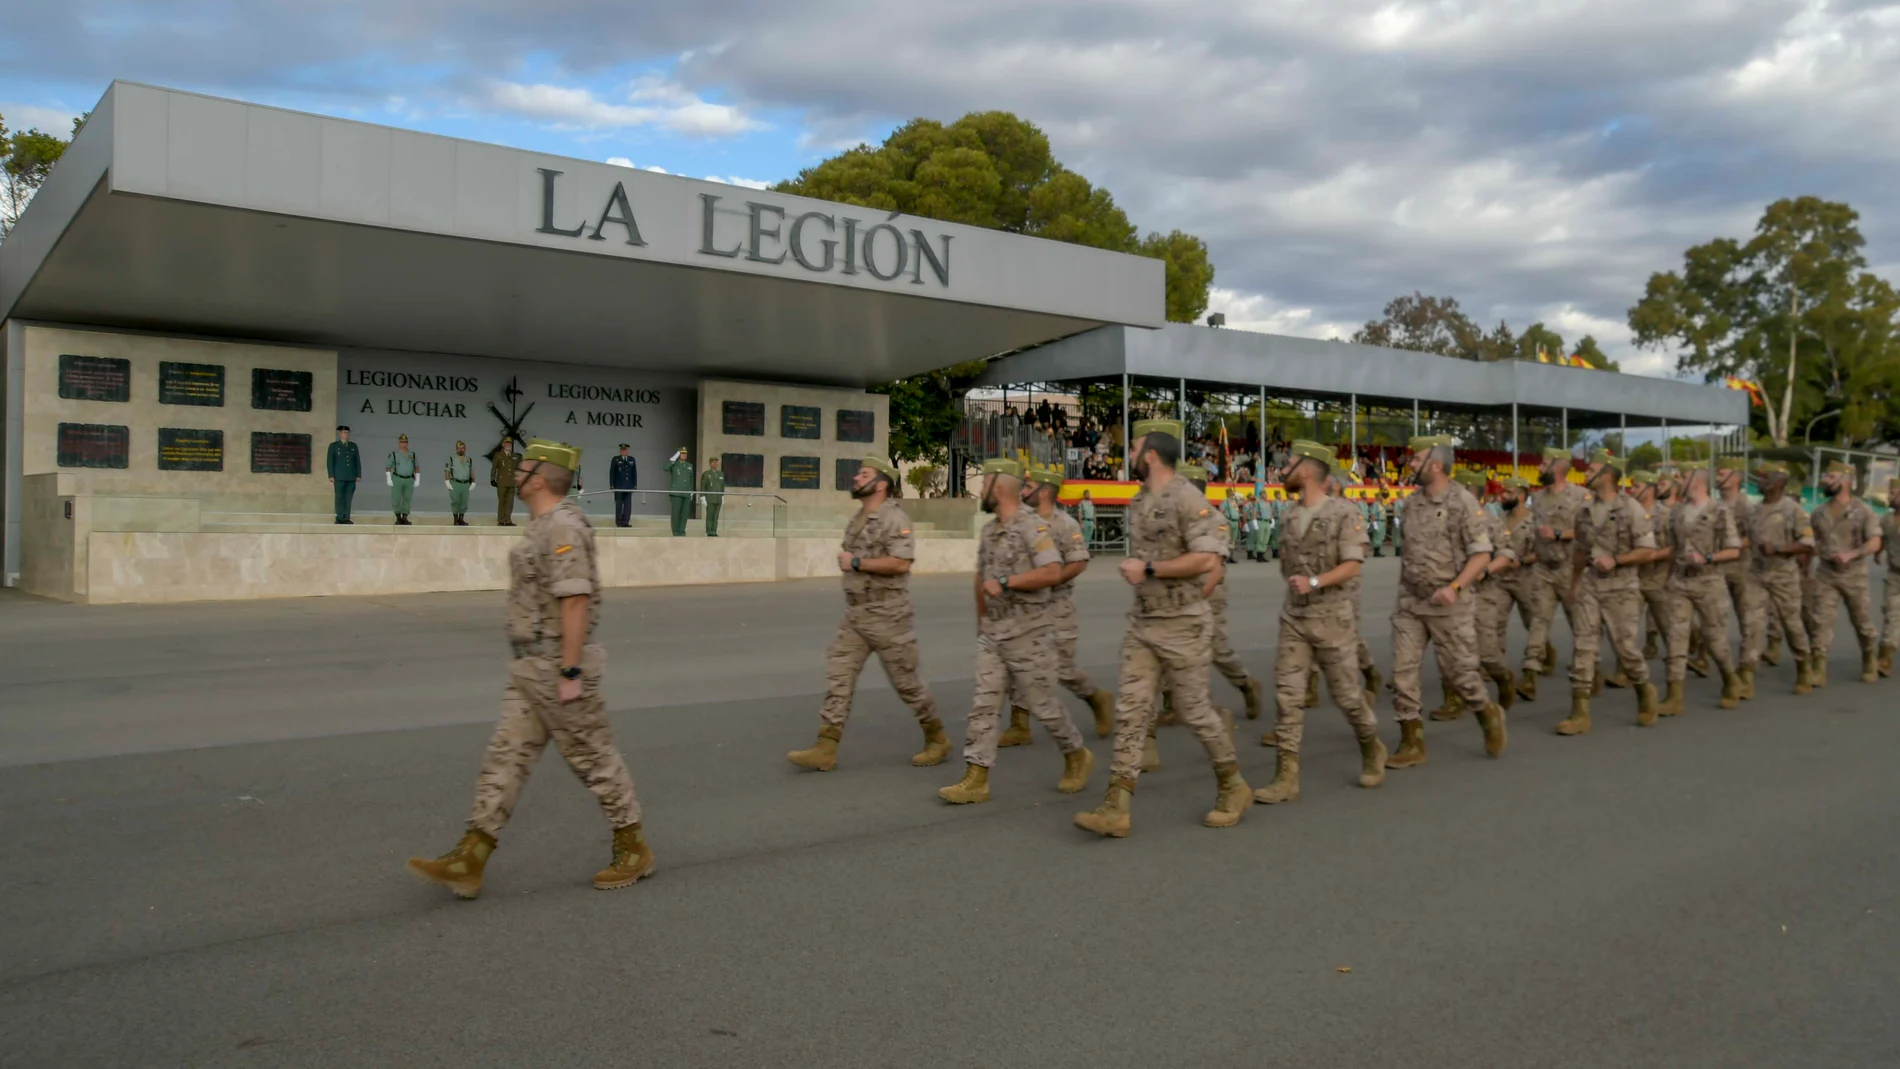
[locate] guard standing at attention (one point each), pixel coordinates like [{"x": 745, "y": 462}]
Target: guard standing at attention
[
  {"x": 679, "y": 484},
  {"x": 1846, "y": 534},
  {"x": 1780, "y": 540},
  {"x": 1701, "y": 535},
  {"x": 1040, "y": 493},
  {"x": 554, "y": 684},
  {"x": 401, "y": 473},
  {"x": 623, "y": 478},
  {"x": 1017, "y": 564},
  {"x": 501, "y": 476},
  {"x": 458, "y": 474},
  {"x": 345, "y": 466},
  {"x": 1174, "y": 537},
  {"x": 878, "y": 618},
  {"x": 712, "y": 484},
  {"x": 1085, "y": 516},
  {"x": 1612, "y": 538}
]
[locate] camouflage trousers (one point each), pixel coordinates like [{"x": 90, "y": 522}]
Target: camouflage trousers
[
  {"x": 1493, "y": 621},
  {"x": 1065, "y": 633},
  {"x": 1177, "y": 650},
  {"x": 1546, "y": 588},
  {"x": 1618, "y": 610},
  {"x": 531, "y": 714},
  {"x": 1226, "y": 661},
  {"x": 1890, "y": 626},
  {"x": 1772, "y": 595},
  {"x": 1656, "y": 602},
  {"x": 1454, "y": 632},
  {"x": 886, "y": 629},
  {"x": 1700, "y": 601},
  {"x": 1330, "y": 642},
  {"x": 1027, "y": 661},
  {"x": 1748, "y": 602},
  {"x": 1832, "y": 586}
]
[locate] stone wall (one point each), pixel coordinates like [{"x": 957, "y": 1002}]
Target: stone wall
[{"x": 772, "y": 445}]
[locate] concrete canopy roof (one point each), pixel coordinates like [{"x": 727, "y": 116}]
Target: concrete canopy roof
[
  {"x": 184, "y": 213},
  {"x": 1218, "y": 359}
]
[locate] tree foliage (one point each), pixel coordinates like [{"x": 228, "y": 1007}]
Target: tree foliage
[
  {"x": 1793, "y": 310},
  {"x": 26, "y": 158},
  {"x": 1438, "y": 325}
]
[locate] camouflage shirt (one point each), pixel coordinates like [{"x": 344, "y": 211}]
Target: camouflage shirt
[
  {"x": 1005, "y": 549},
  {"x": 1707, "y": 529},
  {"x": 1331, "y": 534},
  {"x": 1740, "y": 508},
  {"x": 1655, "y": 574},
  {"x": 1557, "y": 507},
  {"x": 1777, "y": 526},
  {"x": 1519, "y": 532},
  {"x": 1890, "y": 540},
  {"x": 1168, "y": 523},
  {"x": 553, "y": 560},
  {"x": 1441, "y": 535},
  {"x": 883, "y": 532},
  {"x": 1075, "y": 549},
  {"x": 1843, "y": 532},
  {"x": 1611, "y": 529}
]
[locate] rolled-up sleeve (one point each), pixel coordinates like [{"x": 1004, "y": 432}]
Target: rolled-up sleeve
[
  {"x": 1206, "y": 531},
  {"x": 568, "y": 549}
]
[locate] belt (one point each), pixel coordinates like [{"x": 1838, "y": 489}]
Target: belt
[
  {"x": 537, "y": 647},
  {"x": 1169, "y": 598},
  {"x": 464, "y": 482},
  {"x": 871, "y": 597},
  {"x": 1693, "y": 571}
]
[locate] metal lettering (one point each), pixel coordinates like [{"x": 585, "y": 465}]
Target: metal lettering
[
  {"x": 870, "y": 246},
  {"x": 547, "y": 207},
  {"x": 940, "y": 268},
  {"x": 708, "y": 202},
  {"x": 850, "y": 246},
  {"x": 755, "y": 233},
  {"x": 618, "y": 200},
  {"x": 830, "y": 245}
]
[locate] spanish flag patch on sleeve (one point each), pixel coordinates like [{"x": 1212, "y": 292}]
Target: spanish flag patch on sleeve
[{"x": 558, "y": 550}]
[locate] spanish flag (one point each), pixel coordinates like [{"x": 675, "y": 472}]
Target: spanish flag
[
  {"x": 1753, "y": 390},
  {"x": 1542, "y": 356},
  {"x": 1576, "y": 360}
]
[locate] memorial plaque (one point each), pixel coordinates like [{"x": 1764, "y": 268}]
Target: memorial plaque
[
  {"x": 95, "y": 378},
  {"x": 190, "y": 449},
  {"x": 799, "y": 473},
  {"x": 848, "y": 472},
  {"x": 743, "y": 417},
  {"x": 280, "y": 391},
  {"x": 743, "y": 469},
  {"x": 856, "y": 426},
  {"x": 280, "y": 454},
  {"x": 801, "y": 421},
  {"x": 190, "y": 384},
  {"x": 93, "y": 445}
]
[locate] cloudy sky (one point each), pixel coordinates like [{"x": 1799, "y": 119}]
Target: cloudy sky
[{"x": 1536, "y": 160}]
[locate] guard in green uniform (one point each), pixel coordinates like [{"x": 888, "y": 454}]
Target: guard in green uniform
[
  {"x": 400, "y": 472},
  {"x": 679, "y": 484},
  {"x": 1230, "y": 511},
  {"x": 501, "y": 476},
  {"x": 1375, "y": 526},
  {"x": 713, "y": 485},
  {"x": 1085, "y": 515},
  {"x": 1395, "y": 530},
  {"x": 458, "y": 474},
  {"x": 345, "y": 466}
]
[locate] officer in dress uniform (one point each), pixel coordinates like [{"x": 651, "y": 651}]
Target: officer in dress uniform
[
  {"x": 554, "y": 684},
  {"x": 345, "y": 466},
  {"x": 679, "y": 485},
  {"x": 402, "y": 474},
  {"x": 623, "y": 478},
  {"x": 501, "y": 476},
  {"x": 712, "y": 487},
  {"x": 458, "y": 474}
]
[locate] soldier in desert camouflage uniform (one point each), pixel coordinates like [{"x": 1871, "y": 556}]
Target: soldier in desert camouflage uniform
[
  {"x": 1520, "y": 534},
  {"x": 878, "y": 618},
  {"x": 1780, "y": 540},
  {"x": 1554, "y": 509},
  {"x": 1017, "y": 563},
  {"x": 1701, "y": 534},
  {"x": 1493, "y": 615},
  {"x": 1846, "y": 534},
  {"x": 1174, "y": 537},
  {"x": 1890, "y": 586},
  {"x": 1612, "y": 538},
  {"x": 553, "y": 690},
  {"x": 1653, "y": 574}
]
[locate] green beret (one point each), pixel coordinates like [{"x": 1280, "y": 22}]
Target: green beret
[
  {"x": 1146, "y": 427},
  {"x": 1046, "y": 476},
  {"x": 1557, "y": 452},
  {"x": 1003, "y": 466},
  {"x": 1643, "y": 478},
  {"x": 559, "y": 454},
  {"x": 1729, "y": 464},
  {"x": 1428, "y": 441},
  {"x": 1306, "y": 449},
  {"x": 1515, "y": 483},
  {"x": 880, "y": 464}
]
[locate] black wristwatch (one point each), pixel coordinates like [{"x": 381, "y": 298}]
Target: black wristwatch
[
  {"x": 855, "y": 561},
  {"x": 1148, "y": 569},
  {"x": 571, "y": 673}
]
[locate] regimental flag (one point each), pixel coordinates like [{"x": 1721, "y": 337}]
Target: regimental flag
[
  {"x": 1577, "y": 360},
  {"x": 1542, "y": 356},
  {"x": 1754, "y": 392}
]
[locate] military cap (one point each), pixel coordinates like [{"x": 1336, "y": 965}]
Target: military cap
[
  {"x": 1602, "y": 456},
  {"x": 1515, "y": 483},
  {"x": 1046, "y": 476},
  {"x": 1307, "y": 449},
  {"x": 1469, "y": 479},
  {"x": 1003, "y": 466},
  {"x": 559, "y": 454},
  {"x": 1643, "y": 478},
  {"x": 1839, "y": 467},
  {"x": 402, "y": 437},
  {"x": 624, "y": 445},
  {"x": 1730, "y": 464},
  {"x": 1557, "y": 452},
  {"x": 1429, "y": 441},
  {"x": 1144, "y": 428},
  {"x": 343, "y": 426},
  {"x": 461, "y": 443},
  {"x": 880, "y": 464},
  {"x": 1772, "y": 467},
  {"x": 1193, "y": 473}
]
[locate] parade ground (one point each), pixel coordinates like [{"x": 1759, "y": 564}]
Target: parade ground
[{"x": 205, "y": 809}]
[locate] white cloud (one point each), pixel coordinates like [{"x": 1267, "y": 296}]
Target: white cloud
[
  {"x": 620, "y": 161},
  {"x": 651, "y": 102},
  {"x": 1257, "y": 312},
  {"x": 749, "y": 183},
  {"x": 57, "y": 121}
]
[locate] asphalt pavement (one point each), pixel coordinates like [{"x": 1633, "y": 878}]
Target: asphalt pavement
[{"x": 204, "y": 810}]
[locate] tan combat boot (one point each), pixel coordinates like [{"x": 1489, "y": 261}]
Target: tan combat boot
[
  {"x": 1150, "y": 753},
  {"x": 1618, "y": 679},
  {"x": 1286, "y": 781},
  {"x": 1102, "y": 704},
  {"x": 1453, "y": 708},
  {"x": 1817, "y": 671},
  {"x": 1699, "y": 663},
  {"x": 1076, "y": 766},
  {"x": 1491, "y": 719},
  {"x": 460, "y": 870},
  {"x": 1884, "y": 663},
  {"x": 1578, "y": 722},
  {"x": 1312, "y": 690},
  {"x": 1507, "y": 687},
  {"x": 1747, "y": 674},
  {"x": 1645, "y": 705},
  {"x": 1802, "y": 671},
  {"x": 1672, "y": 700},
  {"x": 1018, "y": 733},
  {"x": 632, "y": 861},
  {"x": 1112, "y": 818},
  {"x": 823, "y": 755},
  {"x": 1596, "y": 681},
  {"x": 1527, "y": 685},
  {"x": 973, "y": 787},
  {"x": 1731, "y": 688},
  {"x": 1253, "y": 695},
  {"x": 936, "y": 745},
  {"x": 1234, "y": 797},
  {"x": 1411, "y": 745},
  {"x": 1869, "y": 668},
  {"x": 1550, "y": 659},
  {"x": 1372, "y": 757},
  {"x": 1772, "y": 653}
]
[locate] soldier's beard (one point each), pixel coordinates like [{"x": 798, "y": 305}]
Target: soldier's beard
[
  {"x": 1509, "y": 502},
  {"x": 1140, "y": 470},
  {"x": 989, "y": 501},
  {"x": 1546, "y": 477},
  {"x": 862, "y": 492}
]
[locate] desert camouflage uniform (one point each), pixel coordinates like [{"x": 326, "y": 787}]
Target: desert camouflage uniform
[
  {"x": 1774, "y": 582},
  {"x": 1520, "y": 536},
  {"x": 553, "y": 560},
  {"x": 1842, "y": 531},
  {"x": 1656, "y": 577},
  {"x": 1890, "y": 544},
  {"x": 1616, "y": 599},
  {"x": 1697, "y": 594},
  {"x": 1746, "y": 595},
  {"x": 1065, "y": 632},
  {"x": 1015, "y": 638},
  {"x": 878, "y": 618},
  {"x": 1320, "y": 626},
  {"x": 1549, "y": 583},
  {"x": 1226, "y": 661},
  {"x": 1439, "y": 538},
  {"x": 1493, "y": 615}
]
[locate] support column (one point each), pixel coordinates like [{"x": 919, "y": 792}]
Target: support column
[
  {"x": 1128, "y": 462},
  {"x": 1180, "y": 407},
  {"x": 1566, "y": 426},
  {"x": 1352, "y": 421},
  {"x": 1414, "y": 417},
  {"x": 1515, "y": 450},
  {"x": 1665, "y": 444}
]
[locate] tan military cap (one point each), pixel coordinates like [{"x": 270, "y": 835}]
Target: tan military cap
[
  {"x": 1730, "y": 464},
  {"x": 1143, "y": 428},
  {"x": 1515, "y": 483},
  {"x": 559, "y": 454},
  {"x": 1557, "y": 452},
  {"x": 1193, "y": 473},
  {"x": 1428, "y": 441},
  {"x": 1839, "y": 467},
  {"x": 1772, "y": 467},
  {"x": 1045, "y": 476},
  {"x": 1307, "y": 449},
  {"x": 1003, "y": 466},
  {"x": 1602, "y": 456},
  {"x": 880, "y": 464},
  {"x": 1469, "y": 479},
  {"x": 1643, "y": 478}
]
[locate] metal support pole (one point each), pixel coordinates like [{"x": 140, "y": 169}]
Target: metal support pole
[
  {"x": 1261, "y": 461},
  {"x": 1665, "y": 446},
  {"x": 1352, "y": 420},
  {"x": 1514, "y": 447},
  {"x": 1128, "y": 462},
  {"x": 1180, "y": 405},
  {"x": 1623, "y": 420},
  {"x": 1414, "y": 417},
  {"x": 1566, "y": 427}
]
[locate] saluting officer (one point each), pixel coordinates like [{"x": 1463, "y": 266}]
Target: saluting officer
[
  {"x": 623, "y": 478},
  {"x": 679, "y": 485},
  {"x": 554, "y": 684}
]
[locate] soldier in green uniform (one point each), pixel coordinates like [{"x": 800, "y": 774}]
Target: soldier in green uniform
[
  {"x": 679, "y": 484},
  {"x": 713, "y": 485},
  {"x": 1230, "y": 511},
  {"x": 458, "y": 474},
  {"x": 1085, "y": 515},
  {"x": 1395, "y": 528},
  {"x": 345, "y": 466},
  {"x": 501, "y": 476},
  {"x": 1375, "y": 527},
  {"x": 401, "y": 475}
]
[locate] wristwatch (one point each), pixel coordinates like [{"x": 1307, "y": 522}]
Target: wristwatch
[
  {"x": 572, "y": 672},
  {"x": 1313, "y": 581},
  {"x": 1149, "y": 569},
  {"x": 855, "y": 561}
]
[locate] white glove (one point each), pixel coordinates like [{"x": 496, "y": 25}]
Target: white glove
[
  {"x": 388, "y": 479},
  {"x": 417, "y": 479},
  {"x": 445, "y": 485}
]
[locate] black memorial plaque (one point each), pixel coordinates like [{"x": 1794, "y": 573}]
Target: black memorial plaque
[
  {"x": 799, "y": 473},
  {"x": 848, "y": 472},
  {"x": 743, "y": 417},
  {"x": 743, "y": 469},
  {"x": 190, "y": 449},
  {"x": 273, "y": 453},
  {"x": 191, "y": 384},
  {"x": 94, "y": 445},
  {"x": 856, "y": 426},
  {"x": 280, "y": 391},
  {"x": 95, "y": 378},
  {"x": 801, "y": 421}
]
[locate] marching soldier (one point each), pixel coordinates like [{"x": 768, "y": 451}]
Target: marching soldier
[
  {"x": 879, "y": 618},
  {"x": 1324, "y": 551},
  {"x": 1890, "y": 545},
  {"x": 459, "y": 474},
  {"x": 554, "y": 684},
  {"x": 1745, "y": 594},
  {"x": 1017, "y": 563},
  {"x": 679, "y": 484},
  {"x": 1040, "y": 493},
  {"x": 1846, "y": 534},
  {"x": 1612, "y": 537},
  {"x": 1655, "y": 575},
  {"x": 501, "y": 476},
  {"x": 402, "y": 475},
  {"x": 1701, "y": 535},
  {"x": 1493, "y": 615},
  {"x": 1520, "y": 534},
  {"x": 712, "y": 484},
  {"x": 1174, "y": 537},
  {"x": 1554, "y": 508},
  {"x": 623, "y": 478},
  {"x": 1780, "y": 540},
  {"x": 1225, "y": 660},
  {"x": 345, "y": 466},
  {"x": 1444, "y": 551}
]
